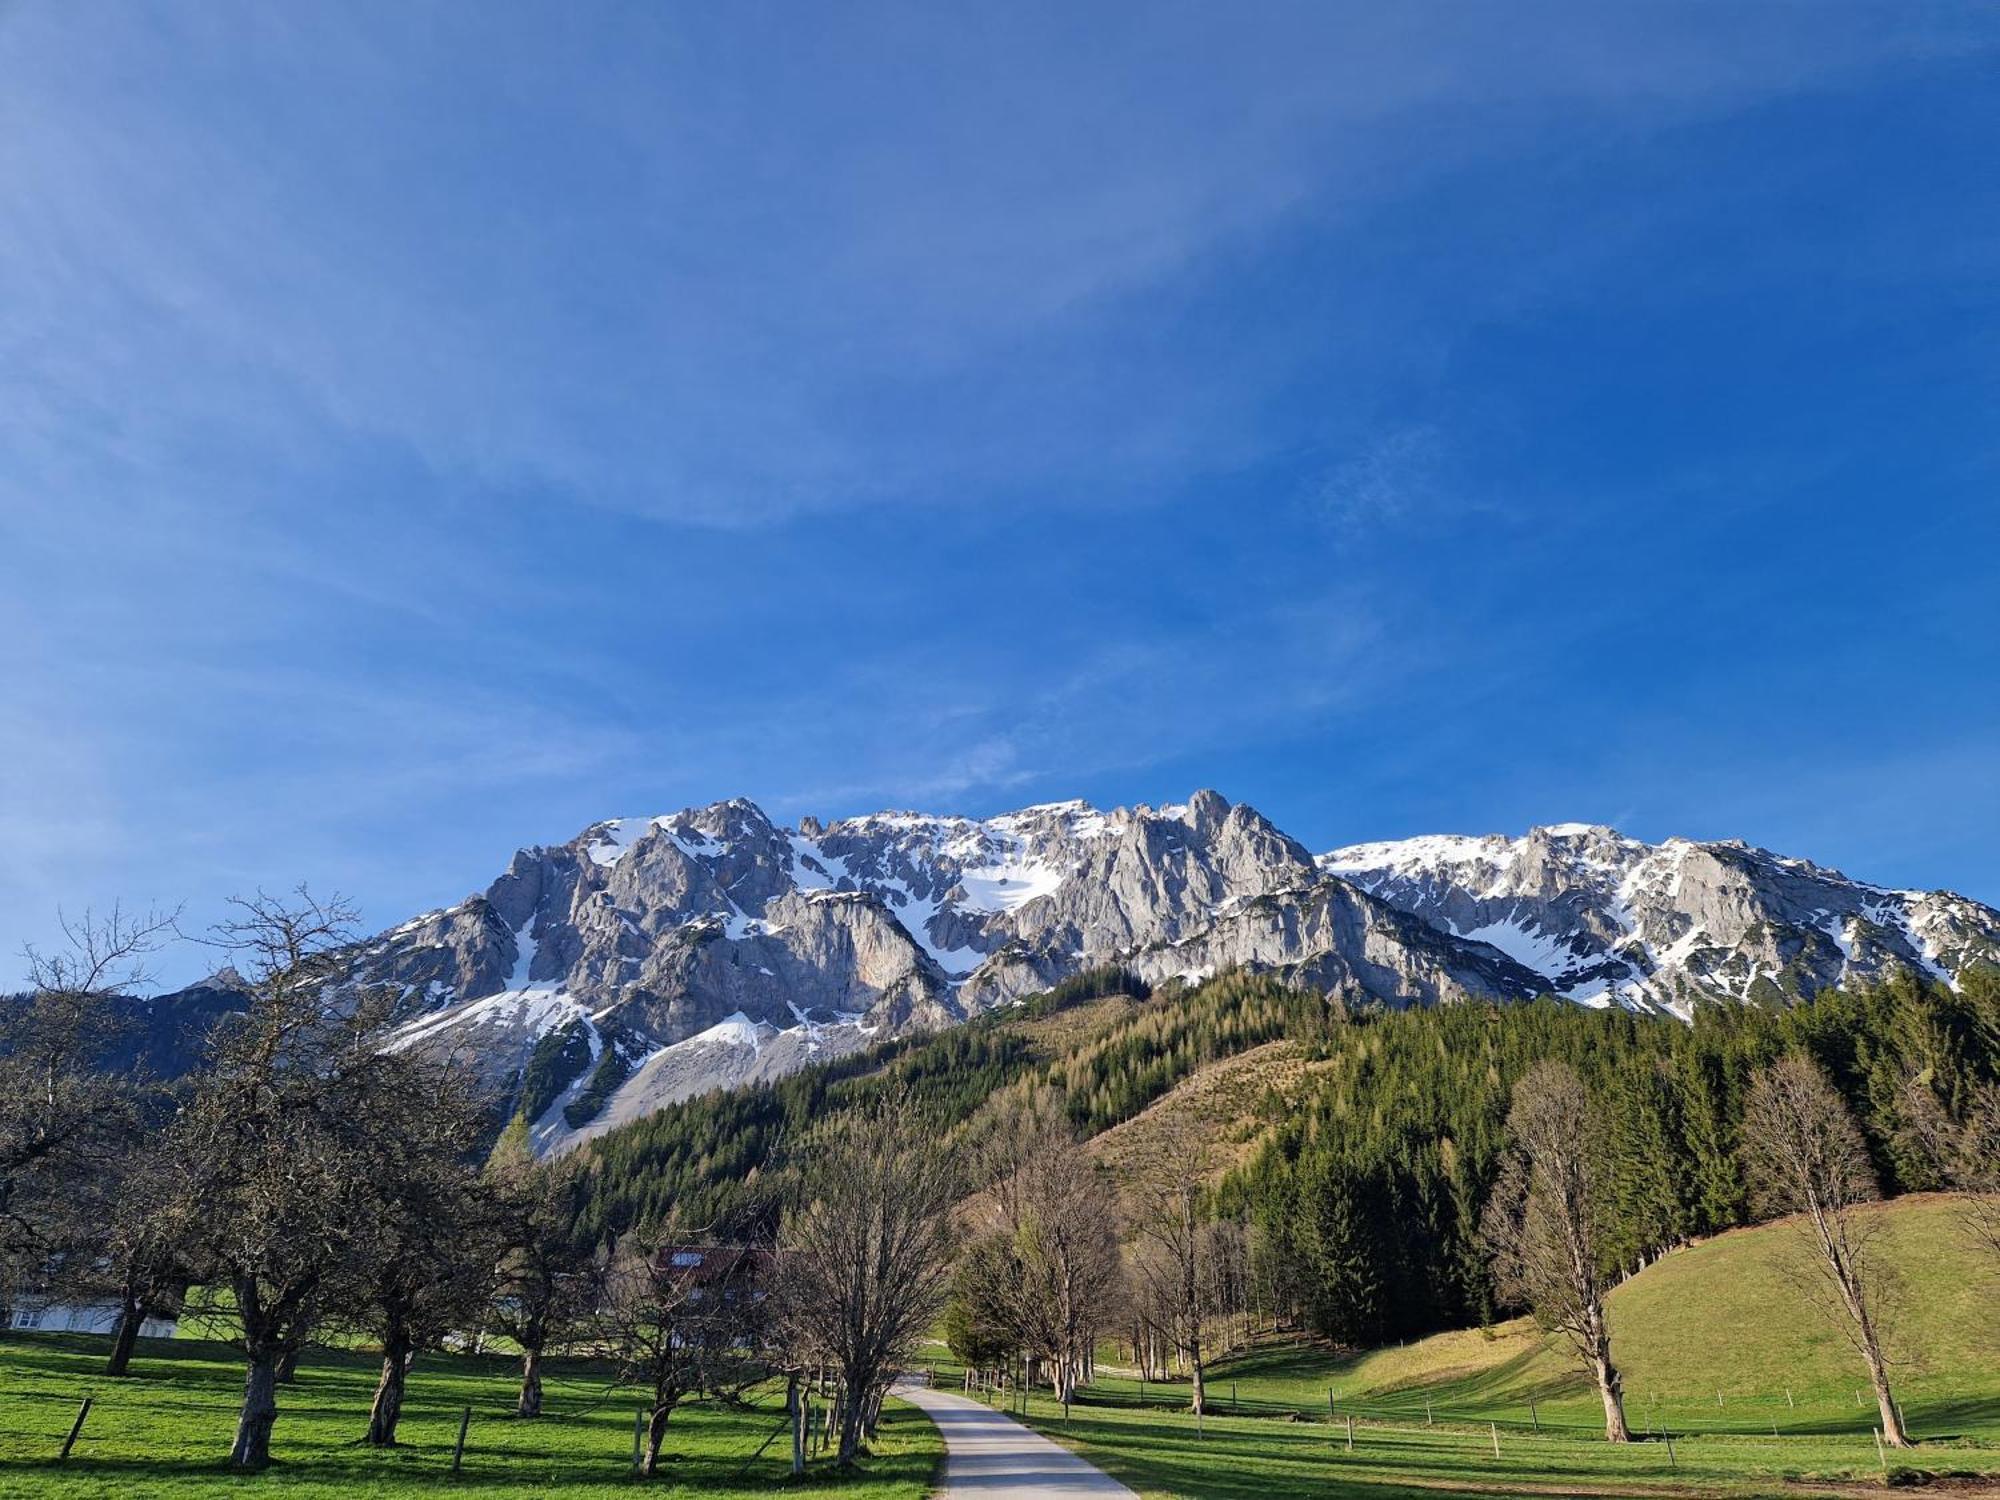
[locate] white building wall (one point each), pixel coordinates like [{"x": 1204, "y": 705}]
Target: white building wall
[{"x": 85, "y": 1317}]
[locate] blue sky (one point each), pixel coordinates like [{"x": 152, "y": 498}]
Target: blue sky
[{"x": 426, "y": 429}]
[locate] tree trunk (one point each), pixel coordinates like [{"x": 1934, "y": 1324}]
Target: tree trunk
[
  {"x": 795, "y": 1407},
  {"x": 260, "y": 1410},
  {"x": 850, "y": 1429},
  {"x": 296, "y": 1336},
  {"x": 1611, "y": 1388},
  {"x": 131, "y": 1314},
  {"x": 1878, "y": 1376},
  {"x": 871, "y": 1417},
  {"x": 530, "y": 1404},
  {"x": 388, "y": 1407},
  {"x": 1853, "y": 1293},
  {"x": 656, "y": 1434},
  {"x": 1200, "y": 1394}
]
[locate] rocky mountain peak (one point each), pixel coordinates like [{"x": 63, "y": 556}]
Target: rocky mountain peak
[{"x": 654, "y": 956}]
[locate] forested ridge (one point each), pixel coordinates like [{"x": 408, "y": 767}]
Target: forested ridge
[
  {"x": 1369, "y": 1189},
  {"x": 1365, "y": 1191}
]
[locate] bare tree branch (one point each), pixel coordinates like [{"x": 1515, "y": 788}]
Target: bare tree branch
[
  {"x": 1543, "y": 1225},
  {"x": 1803, "y": 1155},
  {"x": 864, "y": 1257}
]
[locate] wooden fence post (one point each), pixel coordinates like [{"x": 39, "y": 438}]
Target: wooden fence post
[
  {"x": 1534, "y": 1416},
  {"x": 75, "y": 1427},
  {"x": 458, "y": 1452},
  {"x": 1350, "y": 1432},
  {"x": 1496, "y": 1438},
  {"x": 1671, "y": 1462}
]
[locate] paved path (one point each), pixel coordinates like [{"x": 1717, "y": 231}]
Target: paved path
[{"x": 990, "y": 1455}]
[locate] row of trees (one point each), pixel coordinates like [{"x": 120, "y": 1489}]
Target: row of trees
[
  {"x": 312, "y": 1181},
  {"x": 1057, "y": 1258},
  {"x": 1057, "y": 1265},
  {"x": 1362, "y": 1210},
  {"x": 1802, "y": 1154},
  {"x": 1370, "y": 1190},
  {"x": 1572, "y": 1174}
]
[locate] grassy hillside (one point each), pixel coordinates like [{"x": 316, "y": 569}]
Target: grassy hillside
[
  {"x": 1360, "y": 1146},
  {"x": 1724, "y": 1316},
  {"x": 165, "y": 1430},
  {"x": 1229, "y": 1103},
  {"x": 1727, "y": 1316}
]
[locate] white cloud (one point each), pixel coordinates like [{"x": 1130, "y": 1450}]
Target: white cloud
[{"x": 724, "y": 267}]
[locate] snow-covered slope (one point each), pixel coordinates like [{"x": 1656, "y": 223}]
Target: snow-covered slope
[
  {"x": 1606, "y": 918},
  {"x": 648, "y": 959}
]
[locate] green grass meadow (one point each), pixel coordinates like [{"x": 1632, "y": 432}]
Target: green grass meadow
[
  {"x": 166, "y": 1429},
  {"x": 1159, "y": 1453},
  {"x": 1724, "y": 1317},
  {"x": 1719, "y": 1347}
]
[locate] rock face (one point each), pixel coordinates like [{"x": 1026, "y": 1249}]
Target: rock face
[
  {"x": 1604, "y": 918},
  {"x": 650, "y": 959}
]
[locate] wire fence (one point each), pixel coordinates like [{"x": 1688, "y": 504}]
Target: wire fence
[
  {"x": 106, "y": 1420},
  {"x": 1780, "y": 1414}
]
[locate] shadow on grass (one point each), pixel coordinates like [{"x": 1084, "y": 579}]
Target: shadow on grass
[
  {"x": 166, "y": 1429},
  {"x": 1283, "y": 1460}
]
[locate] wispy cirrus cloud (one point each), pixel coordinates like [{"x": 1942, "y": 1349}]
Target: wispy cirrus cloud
[
  {"x": 688, "y": 266},
  {"x": 427, "y": 429}
]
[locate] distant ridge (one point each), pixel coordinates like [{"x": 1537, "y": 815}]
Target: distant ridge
[{"x": 650, "y": 959}]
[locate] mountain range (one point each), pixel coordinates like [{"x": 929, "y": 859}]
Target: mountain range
[{"x": 650, "y": 959}]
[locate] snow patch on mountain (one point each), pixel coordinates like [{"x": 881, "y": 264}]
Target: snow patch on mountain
[
  {"x": 1595, "y": 912},
  {"x": 812, "y": 868},
  {"x": 709, "y": 946},
  {"x": 1548, "y": 954},
  {"x": 1007, "y": 884}
]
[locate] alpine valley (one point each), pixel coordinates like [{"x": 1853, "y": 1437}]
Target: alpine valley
[{"x": 648, "y": 960}]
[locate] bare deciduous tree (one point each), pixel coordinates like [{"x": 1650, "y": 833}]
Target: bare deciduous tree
[
  {"x": 271, "y": 1156},
  {"x": 548, "y": 1283},
  {"x": 1964, "y": 1149},
  {"x": 1975, "y": 1168},
  {"x": 865, "y": 1255},
  {"x": 1174, "y": 1258},
  {"x": 421, "y": 1262},
  {"x": 1058, "y": 1215},
  {"x": 141, "y": 1264},
  {"x": 1543, "y": 1225},
  {"x": 680, "y": 1317},
  {"x": 1803, "y": 1154},
  {"x": 65, "y": 1121}
]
